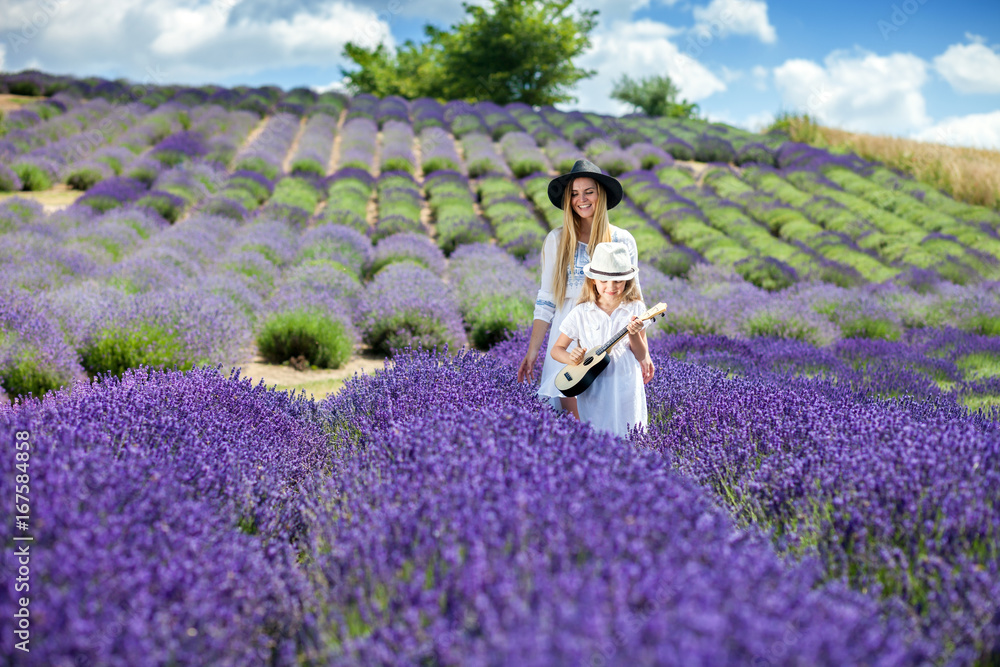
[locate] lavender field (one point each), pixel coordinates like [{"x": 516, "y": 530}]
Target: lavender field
[{"x": 817, "y": 485}]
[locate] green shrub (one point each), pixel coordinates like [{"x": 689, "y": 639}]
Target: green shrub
[
  {"x": 259, "y": 165},
  {"x": 26, "y": 376},
  {"x": 296, "y": 192},
  {"x": 673, "y": 262},
  {"x": 398, "y": 164},
  {"x": 439, "y": 163},
  {"x": 865, "y": 326},
  {"x": 163, "y": 204},
  {"x": 33, "y": 177},
  {"x": 495, "y": 320},
  {"x": 240, "y": 194},
  {"x": 766, "y": 273},
  {"x": 145, "y": 173},
  {"x": 408, "y": 328},
  {"x": 25, "y": 87},
  {"x": 981, "y": 323},
  {"x": 770, "y": 325},
  {"x": 259, "y": 191},
  {"x": 345, "y": 218},
  {"x": 308, "y": 166},
  {"x": 464, "y": 124},
  {"x": 116, "y": 350},
  {"x": 324, "y": 341},
  {"x": 528, "y": 165},
  {"x": 84, "y": 177}
]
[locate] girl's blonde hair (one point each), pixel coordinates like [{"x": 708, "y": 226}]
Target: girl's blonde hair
[
  {"x": 589, "y": 291},
  {"x": 600, "y": 232}
]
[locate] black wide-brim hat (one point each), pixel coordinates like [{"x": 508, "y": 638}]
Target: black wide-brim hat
[{"x": 585, "y": 168}]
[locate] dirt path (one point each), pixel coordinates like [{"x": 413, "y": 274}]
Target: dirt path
[
  {"x": 337, "y": 140},
  {"x": 56, "y": 198},
  {"x": 316, "y": 383},
  {"x": 12, "y": 102},
  {"x": 286, "y": 164}
]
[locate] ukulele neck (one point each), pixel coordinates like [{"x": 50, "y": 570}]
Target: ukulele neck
[{"x": 614, "y": 341}]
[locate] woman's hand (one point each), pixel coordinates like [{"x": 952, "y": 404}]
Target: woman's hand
[
  {"x": 576, "y": 355},
  {"x": 526, "y": 371},
  {"x": 648, "y": 369},
  {"x": 634, "y": 325}
]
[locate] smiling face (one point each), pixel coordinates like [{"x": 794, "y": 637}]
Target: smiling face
[
  {"x": 583, "y": 197},
  {"x": 610, "y": 290}
]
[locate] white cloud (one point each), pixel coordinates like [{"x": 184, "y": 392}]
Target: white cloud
[
  {"x": 640, "y": 49},
  {"x": 970, "y": 68},
  {"x": 612, "y": 8},
  {"x": 730, "y": 75},
  {"x": 735, "y": 17},
  {"x": 981, "y": 130},
  {"x": 864, "y": 92},
  {"x": 3, "y": 54},
  {"x": 340, "y": 85},
  {"x": 192, "y": 41},
  {"x": 756, "y": 122},
  {"x": 760, "y": 77}
]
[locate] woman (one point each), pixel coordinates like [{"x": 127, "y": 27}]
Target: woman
[{"x": 584, "y": 194}]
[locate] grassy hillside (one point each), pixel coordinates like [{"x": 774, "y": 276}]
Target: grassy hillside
[{"x": 968, "y": 174}]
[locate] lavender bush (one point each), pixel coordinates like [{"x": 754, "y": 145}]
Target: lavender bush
[
  {"x": 495, "y": 292},
  {"x": 455, "y": 218},
  {"x": 408, "y": 306},
  {"x": 407, "y": 247},
  {"x": 34, "y": 356}
]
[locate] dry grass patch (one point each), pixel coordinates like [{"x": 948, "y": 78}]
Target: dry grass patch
[
  {"x": 971, "y": 175},
  {"x": 56, "y": 198}
]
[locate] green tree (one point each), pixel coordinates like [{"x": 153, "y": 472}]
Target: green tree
[
  {"x": 654, "y": 95},
  {"x": 512, "y": 51}
]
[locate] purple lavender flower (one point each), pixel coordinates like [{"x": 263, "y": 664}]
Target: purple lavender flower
[
  {"x": 357, "y": 147},
  {"x": 112, "y": 193},
  {"x": 34, "y": 356},
  {"x": 407, "y": 247},
  {"x": 481, "y": 157},
  {"x": 397, "y": 147},
  {"x": 408, "y": 306}
]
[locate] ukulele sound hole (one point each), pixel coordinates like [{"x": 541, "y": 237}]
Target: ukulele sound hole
[{"x": 589, "y": 359}]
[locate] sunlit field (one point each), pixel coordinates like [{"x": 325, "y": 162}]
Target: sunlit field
[{"x": 817, "y": 484}]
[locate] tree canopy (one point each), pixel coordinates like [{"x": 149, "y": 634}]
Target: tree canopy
[
  {"x": 654, "y": 96},
  {"x": 512, "y": 51}
]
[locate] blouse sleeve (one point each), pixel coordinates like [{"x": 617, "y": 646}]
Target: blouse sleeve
[
  {"x": 545, "y": 302},
  {"x": 571, "y": 325}
]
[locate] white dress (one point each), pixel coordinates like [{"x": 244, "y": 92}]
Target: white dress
[
  {"x": 545, "y": 307},
  {"x": 617, "y": 398}
]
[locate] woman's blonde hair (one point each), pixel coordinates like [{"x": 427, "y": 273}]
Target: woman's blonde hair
[
  {"x": 629, "y": 294},
  {"x": 600, "y": 232}
]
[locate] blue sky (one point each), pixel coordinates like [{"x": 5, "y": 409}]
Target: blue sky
[{"x": 915, "y": 68}]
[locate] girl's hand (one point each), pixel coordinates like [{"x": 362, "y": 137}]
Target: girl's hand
[
  {"x": 576, "y": 355},
  {"x": 526, "y": 371},
  {"x": 648, "y": 369},
  {"x": 634, "y": 325}
]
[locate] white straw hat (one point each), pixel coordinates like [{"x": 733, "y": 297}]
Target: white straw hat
[{"x": 610, "y": 262}]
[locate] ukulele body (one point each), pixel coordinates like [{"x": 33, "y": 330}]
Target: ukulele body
[{"x": 573, "y": 380}]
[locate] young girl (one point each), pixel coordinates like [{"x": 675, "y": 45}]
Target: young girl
[
  {"x": 609, "y": 302},
  {"x": 585, "y": 194}
]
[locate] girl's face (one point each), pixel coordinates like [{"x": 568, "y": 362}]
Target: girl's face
[
  {"x": 610, "y": 289},
  {"x": 583, "y": 197}
]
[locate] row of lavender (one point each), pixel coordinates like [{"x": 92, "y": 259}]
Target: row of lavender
[
  {"x": 122, "y": 289},
  {"x": 436, "y": 513},
  {"x": 846, "y": 230}
]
